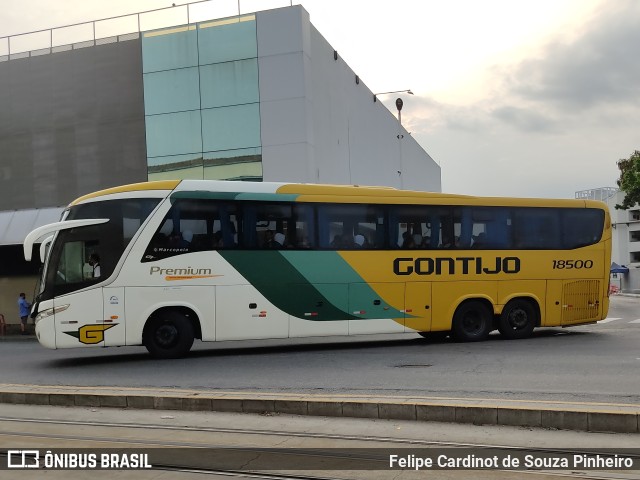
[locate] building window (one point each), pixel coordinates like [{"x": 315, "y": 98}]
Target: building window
[{"x": 202, "y": 101}]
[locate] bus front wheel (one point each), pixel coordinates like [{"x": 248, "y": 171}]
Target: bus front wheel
[
  {"x": 473, "y": 321},
  {"x": 518, "y": 319},
  {"x": 168, "y": 335}
]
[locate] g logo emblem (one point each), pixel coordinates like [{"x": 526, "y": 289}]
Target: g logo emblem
[{"x": 91, "y": 334}]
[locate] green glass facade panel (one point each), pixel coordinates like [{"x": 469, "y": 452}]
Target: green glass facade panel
[
  {"x": 201, "y": 97},
  {"x": 175, "y": 167},
  {"x": 174, "y": 134},
  {"x": 241, "y": 164},
  {"x": 169, "y": 48},
  {"x": 229, "y": 128},
  {"x": 227, "y": 40},
  {"x": 171, "y": 91},
  {"x": 229, "y": 83}
]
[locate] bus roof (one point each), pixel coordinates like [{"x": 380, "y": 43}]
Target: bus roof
[{"x": 303, "y": 192}]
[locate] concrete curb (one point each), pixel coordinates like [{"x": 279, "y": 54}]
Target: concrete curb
[{"x": 590, "y": 417}]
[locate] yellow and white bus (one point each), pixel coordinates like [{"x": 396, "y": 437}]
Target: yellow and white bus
[{"x": 160, "y": 264}]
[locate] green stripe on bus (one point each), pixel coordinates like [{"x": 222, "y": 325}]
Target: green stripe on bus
[
  {"x": 320, "y": 268},
  {"x": 283, "y": 285},
  {"x": 252, "y": 196}
]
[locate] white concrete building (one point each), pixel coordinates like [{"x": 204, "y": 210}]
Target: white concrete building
[{"x": 626, "y": 236}]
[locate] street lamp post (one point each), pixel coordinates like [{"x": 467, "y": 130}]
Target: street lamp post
[
  {"x": 400, "y": 135},
  {"x": 375, "y": 95}
]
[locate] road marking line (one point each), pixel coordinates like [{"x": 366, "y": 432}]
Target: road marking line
[
  {"x": 635, "y": 321},
  {"x": 607, "y": 320}
]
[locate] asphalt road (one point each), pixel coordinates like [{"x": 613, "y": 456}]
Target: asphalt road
[{"x": 595, "y": 363}]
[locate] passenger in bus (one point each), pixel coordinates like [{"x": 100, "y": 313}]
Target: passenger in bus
[
  {"x": 359, "y": 241},
  {"x": 94, "y": 261},
  {"x": 409, "y": 243},
  {"x": 337, "y": 242},
  {"x": 217, "y": 240},
  {"x": 279, "y": 240},
  {"x": 270, "y": 240},
  {"x": 185, "y": 239},
  {"x": 303, "y": 241},
  {"x": 479, "y": 240}
]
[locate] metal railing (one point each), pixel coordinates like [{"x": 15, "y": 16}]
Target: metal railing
[
  {"x": 118, "y": 28},
  {"x": 602, "y": 193}
]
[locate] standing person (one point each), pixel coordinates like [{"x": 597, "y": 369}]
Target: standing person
[
  {"x": 24, "y": 308},
  {"x": 3, "y": 325}
]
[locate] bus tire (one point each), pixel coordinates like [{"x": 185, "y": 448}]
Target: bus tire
[
  {"x": 472, "y": 322},
  {"x": 168, "y": 335},
  {"x": 518, "y": 319}
]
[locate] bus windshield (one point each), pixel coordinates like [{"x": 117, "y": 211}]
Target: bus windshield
[{"x": 80, "y": 257}]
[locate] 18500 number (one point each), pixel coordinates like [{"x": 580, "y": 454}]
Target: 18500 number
[{"x": 572, "y": 264}]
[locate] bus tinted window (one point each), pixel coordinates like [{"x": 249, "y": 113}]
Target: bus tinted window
[
  {"x": 195, "y": 225},
  {"x": 536, "y": 228},
  {"x": 70, "y": 267},
  {"x": 207, "y": 224},
  {"x": 491, "y": 228},
  {"x": 581, "y": 227},
  {"x": 278, "y": 225},
  {"x": 351, "y": 226},
  {"x": 420, "y": 227}
]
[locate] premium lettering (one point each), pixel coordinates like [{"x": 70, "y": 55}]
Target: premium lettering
[
  {"x": 180, "y": 271},
  {"x": 457, "y": 265}
]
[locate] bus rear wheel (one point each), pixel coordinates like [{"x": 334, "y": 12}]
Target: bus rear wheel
[
  {"x": 518, "y": 319},
  {"x": 168, "y": 335},
  {"x": 472, "y": 322}
]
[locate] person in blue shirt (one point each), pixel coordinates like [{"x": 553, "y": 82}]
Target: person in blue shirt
[{"x": 24, "y": 308}]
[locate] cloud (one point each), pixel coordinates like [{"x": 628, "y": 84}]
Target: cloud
[
  {"x": 590, "y": 79},
  {"x": 596, "y": 68},
  {"x": 525, "y": 119}
]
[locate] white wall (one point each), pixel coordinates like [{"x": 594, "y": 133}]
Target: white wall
[
  {"x": 622, "y": 247},
  {"x": 317, "y": 124}
]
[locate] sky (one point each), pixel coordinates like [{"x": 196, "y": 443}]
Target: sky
[{"x": 534, "y": 98}]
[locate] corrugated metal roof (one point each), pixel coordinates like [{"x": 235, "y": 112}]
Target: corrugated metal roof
[{"x": 16, "y": 224}]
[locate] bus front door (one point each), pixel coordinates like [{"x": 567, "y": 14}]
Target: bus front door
[{"x": 113, "y": 321}]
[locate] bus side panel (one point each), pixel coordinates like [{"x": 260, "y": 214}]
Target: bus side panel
[
  {"x": 81, "y": 323},
  {"x": 46, "y": 327},
  {"x": 323, "y": 309},
  {"x": 114, "y": 303},
  {"x": 373, "y": 305},
  {"x": 533, "y": 289},
  {"x": 553, "y": 315},
  {"x": 142, "y": 302},
  {"x": 418, "y": 307},
  {"x": 448, "y": 295},
  {"x": 242, "y": 312}
]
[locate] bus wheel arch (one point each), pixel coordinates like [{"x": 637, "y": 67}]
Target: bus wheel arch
[
  {"x": 170, "y": 331},
  {"x": 473, "y": 320},
  {"x": 519, "y": 317}
]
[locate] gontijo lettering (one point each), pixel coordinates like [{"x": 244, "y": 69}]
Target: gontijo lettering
[{"x": 451, "y": 266}]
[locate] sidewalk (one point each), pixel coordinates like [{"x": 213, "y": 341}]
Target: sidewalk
[
  {"x": 579, "y": 416},
  {"x": 13, "y": 331}
]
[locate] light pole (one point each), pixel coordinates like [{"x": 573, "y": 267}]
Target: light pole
[
  {"x": 375, "y": 95},
  {"x": 400, "y": 135}
]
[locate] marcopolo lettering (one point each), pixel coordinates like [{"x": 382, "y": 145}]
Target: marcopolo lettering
[{"x": 452, "y": 266}]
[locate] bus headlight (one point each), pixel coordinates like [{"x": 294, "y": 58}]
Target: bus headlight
[{"x": 50, "y": 311}]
